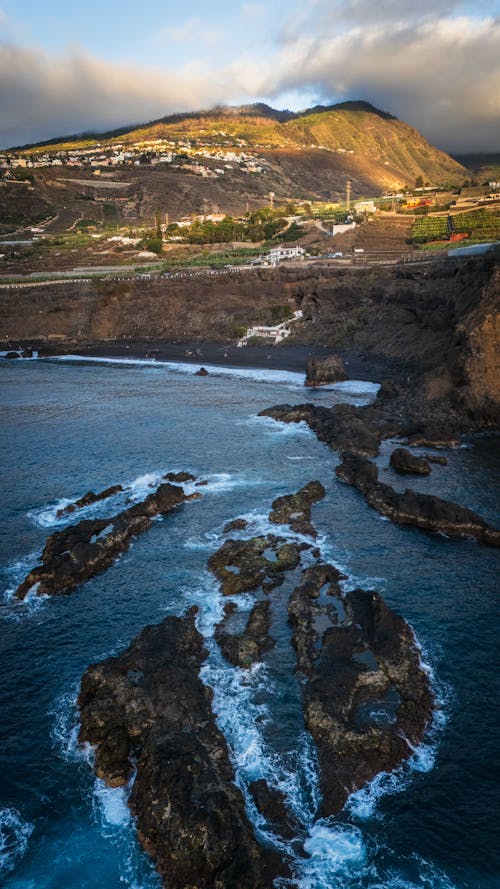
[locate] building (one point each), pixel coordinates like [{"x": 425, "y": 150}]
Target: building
[{"x": 278, "y": 254}]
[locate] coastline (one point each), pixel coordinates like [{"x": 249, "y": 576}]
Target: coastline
[{"x": 359, "y": 366}]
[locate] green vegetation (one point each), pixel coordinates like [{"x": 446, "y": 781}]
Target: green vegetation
[
  {"x": 213, "y": 260},
  {"x": 262, "y": 225},
  {"x": 480, "y": 225}
]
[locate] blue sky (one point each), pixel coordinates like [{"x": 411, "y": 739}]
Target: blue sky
[{"x": 66, "y": 66}]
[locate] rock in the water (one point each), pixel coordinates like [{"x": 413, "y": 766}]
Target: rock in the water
[
  {"x": 436, "y": 458},
  {"x": 405, "y": 462},
  {"x": 321, "y": 371},
  {"x": 243, "y": 565},
  {"x": 295, "y": 509},
  {"x": 148, "y": 711},
  {"x": 342, "y": 427},
  {"x": 235, "y": 525},
  {"x": 366, "y": 699},
  {"x": 179, "y": 478},
  {"x": 411, "y": 508},
  {"x": 272, "y": 805},
  {"x": 202, "y": 372},
  {"x": 87, "y": 499},
  {"x": 246, "y": 648},
  {"x": 76, "y": 553}
]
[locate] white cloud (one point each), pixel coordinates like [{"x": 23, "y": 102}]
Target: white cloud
[
  {"x": 193, "y": 30},
  {"x": 42, "y": 96},
  {"x": 253, "y": 10}
]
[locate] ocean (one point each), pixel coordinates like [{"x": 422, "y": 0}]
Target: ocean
[{"x": 71, "y": 425}]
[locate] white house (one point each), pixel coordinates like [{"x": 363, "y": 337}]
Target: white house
[{"x": 277, "y": 254}]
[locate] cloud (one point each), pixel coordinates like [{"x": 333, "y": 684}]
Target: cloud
[
  {"x": 42, "y": 96},
  {"x": 442, "y": 75},
  {"x": 439, "y": 72},
  {"x": 253, "y": 10},
  {"x": 191, "y": 31}
]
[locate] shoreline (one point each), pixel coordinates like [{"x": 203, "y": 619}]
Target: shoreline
[{"x": 293, "y": 358}]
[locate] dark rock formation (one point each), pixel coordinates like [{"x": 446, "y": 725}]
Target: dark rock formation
[
  {"x": 342, "y": 427},
  {"x": 148, "y": 712},
  {"x": 366, "y": 699},
  {"x": 421, "y": 510},
  {"x": 242, "y": 565},
  {"x": 76, "y": 553},
  {"x": 179, "y": 478},
  {"x": 202, "y": 372},
  {"x": 246, "y": 648},
  {"x": 405, "y": 462},
  {"x": 87, "y": 499},
  {"x": 436, "y": 458},
  {"x": 321, "y": 371},
  {"x": 295, "y": 509},
  {"x": 235, "y": 525},
  {"x": 272, "y": 805}
]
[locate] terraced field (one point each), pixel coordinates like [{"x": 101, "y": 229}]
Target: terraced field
[{"x": 480, "y": 225}]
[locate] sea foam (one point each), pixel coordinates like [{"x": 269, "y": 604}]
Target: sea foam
[{"x": 14, "y": 837}]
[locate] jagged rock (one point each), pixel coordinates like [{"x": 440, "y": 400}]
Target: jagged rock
[
  {"x": 246, "y": 648},
  {"x": 242, "y": 565},
  {"x": 321, "y": 371},
  {"x": 295, "y": 509},
  {"x": 202, "y": 372},
  {"x": 272, "y": 805},
  {"x": 404, "y": 461},
  {"x": 342, "y": 427},
  {"x": 12, "y": 355},
  {"x": 87, "y": 499},
  {"x": 411, "y": 508},
  {"x": 80, "y": 551},
  {"x": 179, "y": 477},
  {"x": 235, "y": 525},
  {"x": 436, "y": 458},
  {"x": 366, "y": 699},
  {"x": 147, "y": 711}
]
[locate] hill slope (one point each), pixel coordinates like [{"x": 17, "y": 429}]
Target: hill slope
[{"x": 355, "y": 128}]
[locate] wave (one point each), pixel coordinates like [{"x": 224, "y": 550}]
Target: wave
[
  {"x": 256, "y": 374},
  {"x": 14, "y": 838}
]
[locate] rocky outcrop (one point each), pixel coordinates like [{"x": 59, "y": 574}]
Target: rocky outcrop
[
  {"x": 243, "y": 565},
  {"x": 235, "y": 525},
  {"x": 295, "y": 509},
  {"x": 246, "y": 648},
  {"x": 271, "y": 803},
  {"x": 202, "y": 372},
  {"x": 341, "y": 427},
  {"x": 148, "y": 714},
  {"x": 88, "y": 499},
  {"x": 405, "y": 462},
  {"x": 179, "y": 478},
  {"x": 367, "y": 701},
  {"x": 80, "y": 551},
  {"x": 424, "y": 511},
  {"x": 321, "y": 371}
]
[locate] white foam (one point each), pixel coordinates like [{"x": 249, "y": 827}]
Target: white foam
[
  {"x": 14, "y": 837},
  {"x": 356, "y": 388},
  {"x": 65, "y": 728},
  {"x": 278, "y": 427},
  {"x": 336, "y": 851},
  {"x": 255, "y": 374},
  {"x": 111, "y": 804},
  {"x": 47, "y": 515}
]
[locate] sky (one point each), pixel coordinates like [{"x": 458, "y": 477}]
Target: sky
[{"x": 68, "y": 67}]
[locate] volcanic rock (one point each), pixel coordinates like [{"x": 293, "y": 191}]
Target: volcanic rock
[
  {"x": 411, "y": 508},
  {"x": 436, "y": 458},
  {"x": 179, "y": 478},
  {"x": 147, "y": 712},
  {"x": 79, "y": 551},
  {"x": 87, "y": 499},
  {"x": 342, "y": 427},
  {"x": 202, "y": 372},
  {"x": 404, "y": 461},
  {"x": 235, "y": 525},
  {"x": 246, "y": 648},
  {"x": 295, "y": 509},
  {"x": 366, "y": 699},
  {"x": 242, "y": 565},
  {"x": 271, "y": 804},
  {"x": 321, "y": 371}
]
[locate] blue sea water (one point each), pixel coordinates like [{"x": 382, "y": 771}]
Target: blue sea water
[{"x": 68, "y": 426}]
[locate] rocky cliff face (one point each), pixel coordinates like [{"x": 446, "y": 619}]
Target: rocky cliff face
[{"x": 442, "y": 320}]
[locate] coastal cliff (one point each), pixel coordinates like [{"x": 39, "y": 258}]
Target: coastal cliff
[{"x": 439, "y": 321}]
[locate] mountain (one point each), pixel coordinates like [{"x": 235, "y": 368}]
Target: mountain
[{"x": 353, "y": 128}]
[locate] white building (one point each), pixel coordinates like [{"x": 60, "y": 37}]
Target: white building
[{"x": 278, "y": 254}]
